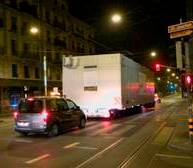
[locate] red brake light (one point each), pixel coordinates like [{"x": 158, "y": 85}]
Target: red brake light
[
  {"x": 45, "y": 115},
  {"x": 15, "y": 114}
]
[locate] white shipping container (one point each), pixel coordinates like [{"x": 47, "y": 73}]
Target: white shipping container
[{"x": 100, "y": 83}]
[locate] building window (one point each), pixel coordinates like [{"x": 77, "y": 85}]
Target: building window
[
  {"x": 1, "y": 23},
  {"x": 63, "y": 7},
  {"x": 13, "y": 4},
  {"x": 64, "y": 25},
  {"x": 14, "y": 71},
  {"x": 37, "y": 73},
  {"x": 2, "y": 50},
  {"x": 58, "y": 75},
  {"x": 24, "y": 28},
  {"x": 26, "y": 72},
  {"x": 13, "y": 47},
  {"x": 13, "y": 24},
  {"x": 56, "y": 2},
  {"x": 48, "y": 16},
  {"x": 48, "y": 37},
  {"x": 73, "y": 46},
  {"x": 25, "y": 48}
]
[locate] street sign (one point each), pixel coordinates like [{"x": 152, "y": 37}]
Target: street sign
[
  {"x": 180, "y": 34},
  {"x": 180, "y": 27}
]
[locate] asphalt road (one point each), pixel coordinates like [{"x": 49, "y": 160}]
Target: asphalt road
[{"x": 138, "y": 141}]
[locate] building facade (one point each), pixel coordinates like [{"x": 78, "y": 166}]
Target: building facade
[{"x": 22, "y": 52}]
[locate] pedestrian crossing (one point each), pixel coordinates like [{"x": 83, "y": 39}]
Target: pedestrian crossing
[{"x": 103, "y": 128}]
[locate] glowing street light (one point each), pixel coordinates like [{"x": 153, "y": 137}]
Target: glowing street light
[
  {"x": 153, "y": 54},
  {"x": 116, "y": 18},
  {"x": 34, "y": 30},
  {"x": 168, "y": 70},
  {"x": 158, "y": 78},
  {"x": 173, "y": 74}
]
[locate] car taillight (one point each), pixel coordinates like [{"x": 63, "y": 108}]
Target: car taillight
[
  {"x": 15, "y": 114},
  {"x": 45, "y": 115}
]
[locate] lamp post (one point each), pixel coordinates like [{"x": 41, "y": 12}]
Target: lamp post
[{"x": 34, "y": 31}]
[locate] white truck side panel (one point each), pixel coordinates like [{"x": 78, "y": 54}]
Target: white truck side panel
[{"x": 94, "y": 83}]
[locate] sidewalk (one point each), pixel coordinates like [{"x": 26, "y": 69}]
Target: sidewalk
[
  {"x": 180, "y": 139},
  {"x": 5, "y": 115}
]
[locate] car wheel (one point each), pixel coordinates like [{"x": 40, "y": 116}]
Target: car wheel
[
  {"x": 82, "y": 123},
  {"x": 54, "y": 130}
]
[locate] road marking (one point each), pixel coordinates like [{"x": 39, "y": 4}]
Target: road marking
[
  {"x": 173, "y": 156},
  {"x": 99, "y": 153},
  {"x": 85, "y": 147},
  {"x": 38, "y": 159},
  {"x": 71, "y": 145},
  {"x": 105, "y": 130},
  {"x": 22, "y": 140}
]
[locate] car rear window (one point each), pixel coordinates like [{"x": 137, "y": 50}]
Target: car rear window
[{"x": 32, "y": 106}]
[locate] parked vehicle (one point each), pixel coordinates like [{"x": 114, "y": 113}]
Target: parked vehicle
[
  {"x": 48, "y": 115},
  {"x": 107, "y": 85}
]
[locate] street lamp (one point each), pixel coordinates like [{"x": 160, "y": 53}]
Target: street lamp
[
  {"x": 116, "y": 18},
  {"x": 153, "y": 54},
  {"x": 158, "y": 78},
  {"x": 34, "y": 30},
  {"x": 168, "y": 70}
]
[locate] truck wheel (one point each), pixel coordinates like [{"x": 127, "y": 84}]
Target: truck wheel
[
  {"x": 54, "y": 130},
  {"x": 82, "y": 123}
]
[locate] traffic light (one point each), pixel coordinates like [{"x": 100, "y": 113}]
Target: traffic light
[
  {"x": 157, "y": 67},
  {"x": 188, "y": 79}
]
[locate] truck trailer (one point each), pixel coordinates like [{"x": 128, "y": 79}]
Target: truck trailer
[{"x": 107, "y": 85}]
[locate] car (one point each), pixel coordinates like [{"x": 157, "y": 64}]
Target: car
[{"x": 48, "y": 115}]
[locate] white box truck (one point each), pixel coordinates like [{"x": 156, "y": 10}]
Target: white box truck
[{"x": 107, "y": 85}]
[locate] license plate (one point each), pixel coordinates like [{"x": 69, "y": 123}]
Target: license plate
[{"x": 23, "y": 124}]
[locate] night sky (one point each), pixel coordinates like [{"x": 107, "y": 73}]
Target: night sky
[{"x": 144, "y": 26}]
